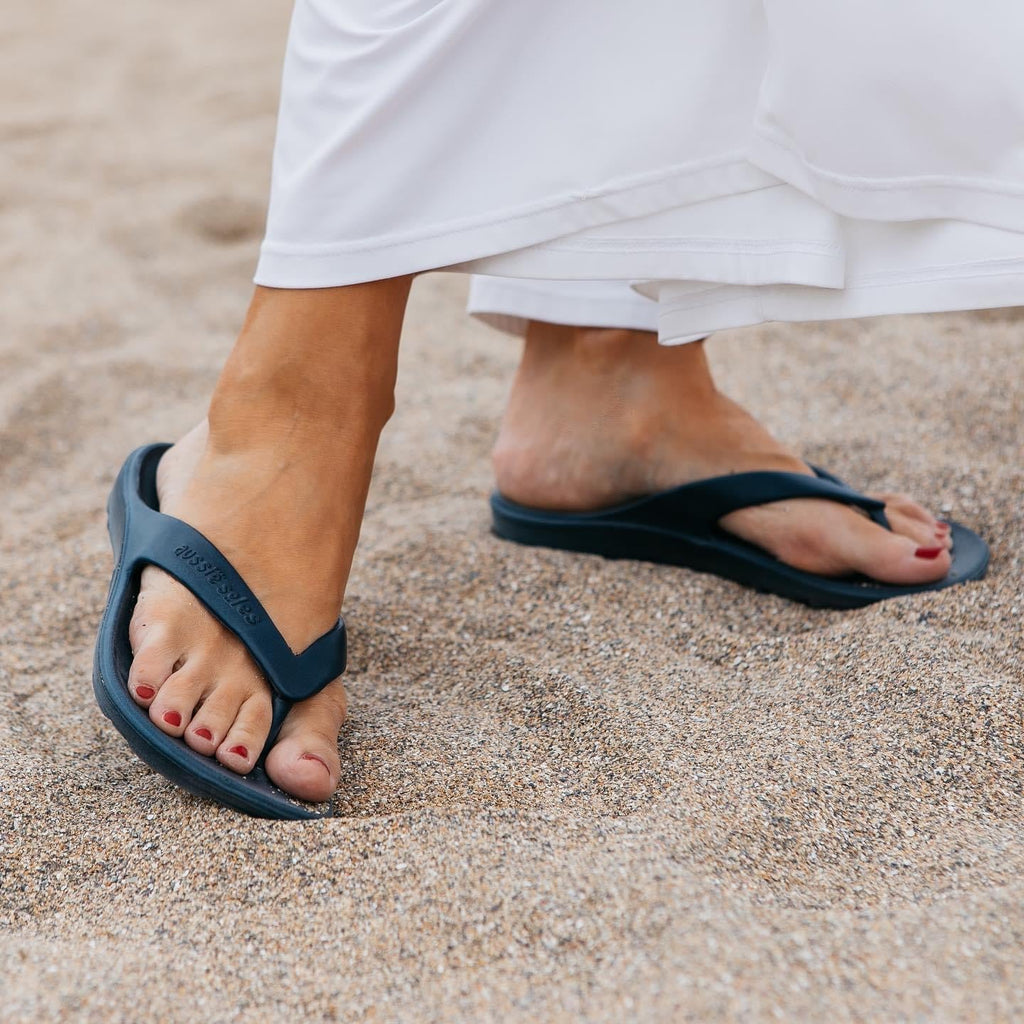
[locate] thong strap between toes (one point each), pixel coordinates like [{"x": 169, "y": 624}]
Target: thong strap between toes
[
  {"x": 152, "y": 538},
  {"x": 699, "y": 506}
]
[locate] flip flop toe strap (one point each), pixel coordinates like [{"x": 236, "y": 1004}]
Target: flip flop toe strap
[
  {"x": 701, "y": 505},
  {"x": 183, "y": 552}
]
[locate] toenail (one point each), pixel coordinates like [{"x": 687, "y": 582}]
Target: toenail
[
  {"x": 144, "y": 692},
  {"x": 204, "y": 733},
  {"x": 172, "y": 718},
  {"x": 942, "y": 527},
  {"x": 928, "y": 553},
  {"x": 319, "y": 760},
  {"x": 240, "y": 751}
]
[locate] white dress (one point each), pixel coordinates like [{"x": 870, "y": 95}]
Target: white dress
[{"x": 739, "y": 160}]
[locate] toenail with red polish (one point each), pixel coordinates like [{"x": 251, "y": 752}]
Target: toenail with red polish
[
  {"x": 172, "y": 718},
  {"x": 928, "y": 553},
  {"x": 204, "y": 733},
  {"x": 240, "y": 751},
  {"x": 319, "y": 760},
  {"x": 144, "y": 692}
]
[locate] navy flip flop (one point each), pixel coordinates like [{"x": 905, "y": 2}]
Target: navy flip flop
[
  {"x": 141, "y": 535},
  {"x": 680, "y": 527}
]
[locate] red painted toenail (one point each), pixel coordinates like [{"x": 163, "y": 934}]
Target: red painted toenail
[
  {"x": 172, "y": 718},
  {"x": 204, "y": 733},
  {"x": 319, "y": 760},
  {"x": 928, "y": 553},
  {"x": 144, "y": 692},
  {"x": 240, "y": 751}
]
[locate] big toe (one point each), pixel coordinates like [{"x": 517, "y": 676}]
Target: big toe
[
  {"x": 304, "y": 761},
  {"x": 890, "y": 557},
  {"x": 829, "y": 539}
]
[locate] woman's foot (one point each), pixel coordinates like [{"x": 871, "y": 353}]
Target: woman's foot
[
  {"x": 277, "y": 480},
  {"x": 599, "y": 416}
]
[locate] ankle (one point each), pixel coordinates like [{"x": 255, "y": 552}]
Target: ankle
[
  {"x": 547, "y": 346},
  {"x": 312, "y": 363},
  {"x": 626, "y": 363},
  {"x": 250, "y": 409}
]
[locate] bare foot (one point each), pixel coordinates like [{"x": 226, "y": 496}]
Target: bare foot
[
  {"x": 277, "y": 481},
  {"x": 599, "y": 416}
]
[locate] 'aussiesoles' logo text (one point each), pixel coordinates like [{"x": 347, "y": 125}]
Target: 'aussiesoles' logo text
[{"x": 215, "y": 576}]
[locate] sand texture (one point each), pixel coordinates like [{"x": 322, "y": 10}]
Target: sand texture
[{"x": 573, "y": 789}]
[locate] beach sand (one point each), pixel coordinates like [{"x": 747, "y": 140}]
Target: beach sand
[{"x": 573, "y": 789}]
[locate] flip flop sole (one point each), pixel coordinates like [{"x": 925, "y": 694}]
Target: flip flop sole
[
  {"x": 721, "y": 555},
  {"x": 253, "y": 794}
]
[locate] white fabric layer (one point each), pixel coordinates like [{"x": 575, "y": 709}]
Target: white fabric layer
[
  {"x": 922, "y": 266},
  {"x": 415, "y": 134},
  {"x": 507, "y": 304},
  {"x": 751, "y": 158}
]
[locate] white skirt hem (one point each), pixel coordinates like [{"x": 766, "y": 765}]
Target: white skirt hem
[{"x": 452, "y": 246}]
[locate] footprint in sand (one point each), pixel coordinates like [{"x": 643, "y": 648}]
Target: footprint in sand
[
  {"x": 44, "y": 430},
  {"x": 224, "y": 220}
]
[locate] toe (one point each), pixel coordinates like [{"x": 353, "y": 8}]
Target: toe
[
  {"x": 922, "y": 534},
  {"x": 911, "y": 519},
  {"x": 907, "y": 507},
  {"x": 307, "y": 769},
  {"x": 829, "y": 539},
  {"x": 304, "y": 761},
  {"x": 248, "y": 733},
  {"x": 214, "y": 717},
  {"x": 157, "y": 650},
  {"x": 891, "y": 557},
  {"x": 172, "y": 708},
  {"x": 154, "y": 660}
]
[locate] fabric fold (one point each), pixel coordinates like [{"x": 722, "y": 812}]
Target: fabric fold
[{"x": 740, "y": 160}]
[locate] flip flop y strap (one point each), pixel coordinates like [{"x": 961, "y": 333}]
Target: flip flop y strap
[
  {"x": 185, "y": 554},
  {"x": 700, "y": 506}
]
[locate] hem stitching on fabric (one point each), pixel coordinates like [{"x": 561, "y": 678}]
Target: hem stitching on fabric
[
  {"x": 698, "y": 245},
  {"x": 589, "y": 301},
  {"x": 469, "y": 224},
  {"x": 947, "y": 272}
]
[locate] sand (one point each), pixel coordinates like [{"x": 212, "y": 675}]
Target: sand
[{"x": 573, "y": 789}]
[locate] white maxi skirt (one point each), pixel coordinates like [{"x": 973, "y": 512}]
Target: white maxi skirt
[{"x": 738, "y": 160}]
